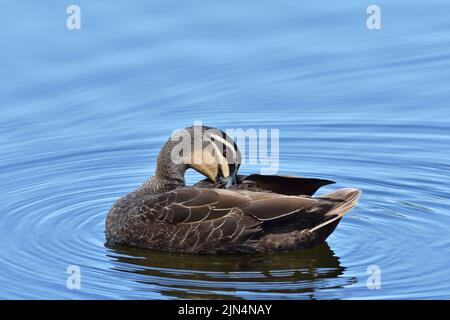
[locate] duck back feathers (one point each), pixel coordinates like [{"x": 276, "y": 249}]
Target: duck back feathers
[{"x": 202, "y": 220}]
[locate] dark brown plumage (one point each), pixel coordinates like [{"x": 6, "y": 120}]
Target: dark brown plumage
[{"x": 258, "y": 213}]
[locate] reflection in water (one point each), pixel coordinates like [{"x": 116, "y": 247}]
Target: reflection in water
[{"x": 292, "y": 274}]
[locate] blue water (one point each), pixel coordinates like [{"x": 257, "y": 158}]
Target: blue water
[{"x": 83, "y": 114}]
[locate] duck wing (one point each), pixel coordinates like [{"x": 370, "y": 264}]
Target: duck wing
[
  {"x": 191, "y": 204},
  {"x": 192, "y": 220},
  {"x": 300, "y": 212},
  {"x": 287, "y": 185},
  {"x": 262, "y": 220},
  {"x": 204, "y": 220},
  {"x": 311, "y": 225}
]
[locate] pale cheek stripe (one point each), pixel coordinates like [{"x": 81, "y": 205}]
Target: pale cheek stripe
[
  {"x": 226, "y": 143},
  {"x": 222, "y": 160}
]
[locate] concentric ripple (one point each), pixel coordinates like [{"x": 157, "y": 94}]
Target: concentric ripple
[{"x": 58, "y": 202}]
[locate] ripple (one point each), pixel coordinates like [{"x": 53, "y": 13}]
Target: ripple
[{"x": 61, "y": 200}]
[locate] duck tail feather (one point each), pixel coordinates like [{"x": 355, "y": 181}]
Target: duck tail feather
[{"x": 344, "y": 200}]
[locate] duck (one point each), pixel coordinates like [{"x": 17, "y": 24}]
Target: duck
[{"x": 225, "y": 213}]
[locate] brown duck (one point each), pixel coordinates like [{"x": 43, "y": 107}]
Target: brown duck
[{"x": 224, "y": 213}]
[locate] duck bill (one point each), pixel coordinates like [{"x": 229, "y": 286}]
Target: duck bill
[{"x": 229, "y": 181}]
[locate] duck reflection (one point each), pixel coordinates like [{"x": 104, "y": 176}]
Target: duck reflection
[{"x": 294, "y": 274}]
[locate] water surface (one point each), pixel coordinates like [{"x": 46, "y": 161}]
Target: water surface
[{"x": 84, "y": 113}]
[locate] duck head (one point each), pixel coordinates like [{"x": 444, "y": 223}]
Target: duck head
[{"x": 207, "y": 150}]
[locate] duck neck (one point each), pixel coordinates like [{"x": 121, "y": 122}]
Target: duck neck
[
  {"x": 155, "y": 185},
  {"x": 168, "y": 176}
]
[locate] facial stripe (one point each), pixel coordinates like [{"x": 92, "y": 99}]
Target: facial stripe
[
  {"x": 227, "y": 144},
  {"x": 222, "y": 160}
]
